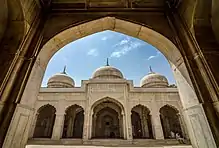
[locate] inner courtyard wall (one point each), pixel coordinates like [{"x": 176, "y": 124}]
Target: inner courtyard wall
[{"x": 152, "y": 98}]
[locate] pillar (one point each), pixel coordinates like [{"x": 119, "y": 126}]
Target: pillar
[
  {"x": 71, "y": 125},
  {"x": 120, "y": 126},
  {"x": 123, "y": 126},
  {"x": 93, "y": 130},
  {"x": 58, "y": 126},
  {"x": 87, "y": 129},
  {"x": 128, "y": 125},
  {"x": 145, "y": 125},
  {"x": 157, "y": 127}
]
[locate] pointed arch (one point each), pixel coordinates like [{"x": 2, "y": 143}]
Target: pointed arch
[
  {"x": 171, "y": 106},
  {"x": 74, "y": 121},
  {"x": 107, "y": 118},
  {"x": 45, "y": 121},
  {"x": 170, "y": 121},
  {"x": 108, "y": 99},
  {"x": 141, "y": 122}
]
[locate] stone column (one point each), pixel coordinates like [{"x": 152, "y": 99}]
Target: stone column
[
  {"x": 157, "y": 127},
  {"x": 142, "y": 125},
  {"x": 123, "y": 126},
  {"x": 120, "y": 126},
  {"x": 145, "y": 125},
  {"x": 70, "y": 127},
  {"x": 58, "y": 127},
  {"x": 93, "y": 130},
  {"x": 87, "y": 126},
  {"x": 128, "y": 125}
]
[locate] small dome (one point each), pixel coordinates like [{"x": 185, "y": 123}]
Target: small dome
[
  {"x": 60, "y": 80},
  {"x": 154, "y": 80},
  {"x": 107, "y": 72}
]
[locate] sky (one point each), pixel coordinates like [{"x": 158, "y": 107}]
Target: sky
[{"x": 128, "y": 54}]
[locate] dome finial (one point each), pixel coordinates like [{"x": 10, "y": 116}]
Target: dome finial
[
  {"x": 107, "y": 61},
  {"x": 150, "y": 69},
  {"x": 64, "y": 70}
]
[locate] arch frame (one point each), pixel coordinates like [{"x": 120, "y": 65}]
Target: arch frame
[
  {"x": 189, "y": 99},
  {"x": 99, "y": 101},
  {"x": 118, "y": 109},
  {"x": 43, "y": 106},
  {"x": 72, "y": 105},
  {"x": 171, "y": 106}
]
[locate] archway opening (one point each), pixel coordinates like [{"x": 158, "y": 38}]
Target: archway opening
[
  {"x": 141, "y": 122},
  {"x": 170, "y": 121},
  {"x": 73, "y": 123},
  {"x": 107, "y": 121},
  {"x": 45, "y": 121}
]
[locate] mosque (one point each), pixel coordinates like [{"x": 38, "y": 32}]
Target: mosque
[{"x": 107, "y": 106}]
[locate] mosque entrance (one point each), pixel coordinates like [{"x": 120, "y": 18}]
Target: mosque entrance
[{"x": 107, "y": 121}]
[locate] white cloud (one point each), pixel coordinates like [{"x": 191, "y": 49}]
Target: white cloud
[
  {"x": 124, "y": 46},
  {"x": 93, "y": 52},
  {"x": 154, "y": 56},
  {"x": 151, "y": 57},
  {"x": 104, "y": 38}
]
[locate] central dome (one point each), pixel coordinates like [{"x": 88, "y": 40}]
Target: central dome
[{"x": 107, "y": 72}]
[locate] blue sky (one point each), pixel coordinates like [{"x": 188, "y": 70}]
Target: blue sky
[{"x": 131, "y": 55}]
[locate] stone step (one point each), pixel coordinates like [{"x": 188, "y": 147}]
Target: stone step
[
  {"x": 76, "y": 143},
  {"x": 65, "y": 146}
]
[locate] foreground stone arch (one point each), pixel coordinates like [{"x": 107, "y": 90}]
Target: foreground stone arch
[{"x": 194, "y": 113}]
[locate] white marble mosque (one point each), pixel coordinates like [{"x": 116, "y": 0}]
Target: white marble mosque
[{"x": 108, "y": 106}]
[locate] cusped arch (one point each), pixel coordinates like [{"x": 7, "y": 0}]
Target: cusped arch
[
  {"x": 142, "y": 106},
  {"x": 134, "y": 104},
  {"x": 117, "y": 102},
  {"x": 45, "y": 106},
  {"x": 73, "y": 105},
  {"x": 170, "y": 106}
]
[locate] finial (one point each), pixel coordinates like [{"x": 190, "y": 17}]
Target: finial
[
  {"x": 151, "y": 71},
  {"x": 64, "y": 70},
  {"x": 107, "y": 62}
]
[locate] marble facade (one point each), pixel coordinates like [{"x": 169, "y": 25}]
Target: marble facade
[{"x": 108, "y": 89}]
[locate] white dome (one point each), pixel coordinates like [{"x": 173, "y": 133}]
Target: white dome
[
  {"x": 154, "y": 80},
  {"x": 107, "y": 72},
  {"x": 60, "y": 80}
]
